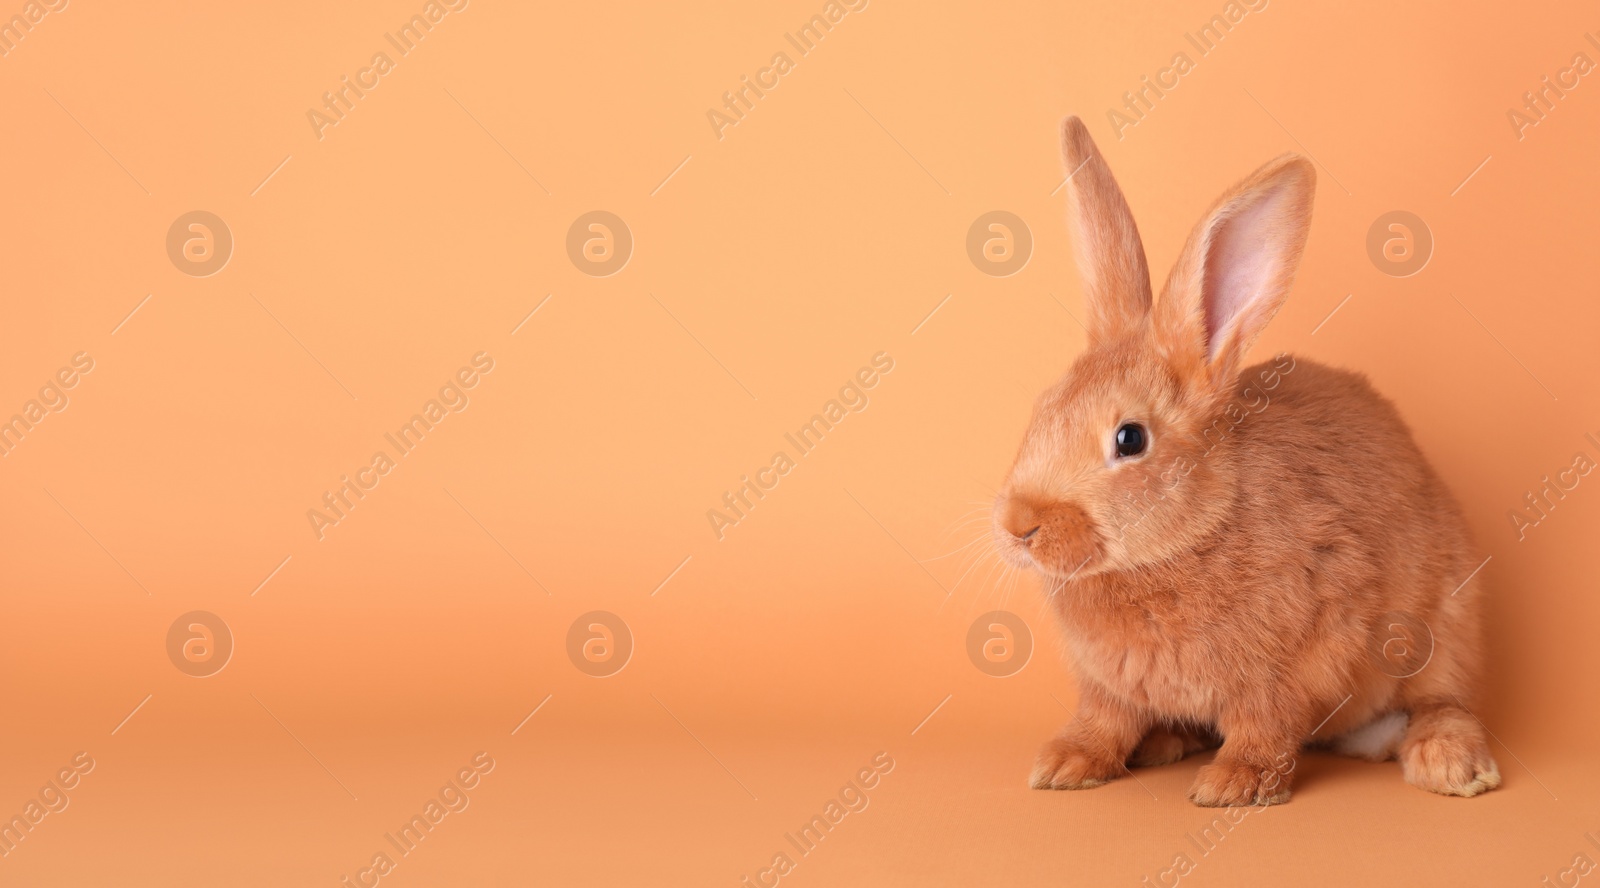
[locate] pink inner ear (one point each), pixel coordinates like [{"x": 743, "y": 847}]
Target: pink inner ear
[{"x": 1245, "y": 256}]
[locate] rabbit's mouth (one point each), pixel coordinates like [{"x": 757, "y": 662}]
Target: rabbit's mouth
[{"x": 1058, "y": 539}]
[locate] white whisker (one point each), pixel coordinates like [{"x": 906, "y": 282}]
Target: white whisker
[{"x": 975, "y": 562}]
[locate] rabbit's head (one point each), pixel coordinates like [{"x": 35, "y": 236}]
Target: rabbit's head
[{"x": 1119, "y": 467}]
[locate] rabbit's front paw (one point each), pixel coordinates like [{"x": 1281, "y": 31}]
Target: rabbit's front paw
[
  {"x": 1228, "y": 782},
  {"x": 1457, "y": 764},
  {"x": 1067, "y": 764}
]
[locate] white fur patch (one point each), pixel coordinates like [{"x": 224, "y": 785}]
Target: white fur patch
[{"x": 1375, "y": 741}]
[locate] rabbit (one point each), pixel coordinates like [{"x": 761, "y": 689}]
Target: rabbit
[{"x": 1236, "y": 554}]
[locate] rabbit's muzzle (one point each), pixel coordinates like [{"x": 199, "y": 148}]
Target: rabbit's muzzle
[{"x": 1057, "y": 537}]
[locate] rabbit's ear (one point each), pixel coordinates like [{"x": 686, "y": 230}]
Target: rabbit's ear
[
  {"x": 1116, "y": 280},
  {"x": 1235, "y": 271}
]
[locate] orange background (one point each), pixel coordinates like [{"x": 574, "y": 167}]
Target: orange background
[{"x": 822, "y": 229}]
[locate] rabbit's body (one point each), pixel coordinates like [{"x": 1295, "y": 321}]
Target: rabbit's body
[
  {"x": 1287, "y": 592},
  {"x": 1261, "y": 555}
]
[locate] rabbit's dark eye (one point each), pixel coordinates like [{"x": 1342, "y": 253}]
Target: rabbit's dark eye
[{"x": 1130, "y": 439}]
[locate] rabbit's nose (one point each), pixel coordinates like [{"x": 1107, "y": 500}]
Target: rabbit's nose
[{"x": 1021, "y": 519}]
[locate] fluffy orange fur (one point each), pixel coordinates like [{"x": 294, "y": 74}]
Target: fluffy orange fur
[{"x": 1231, "y": 581}]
